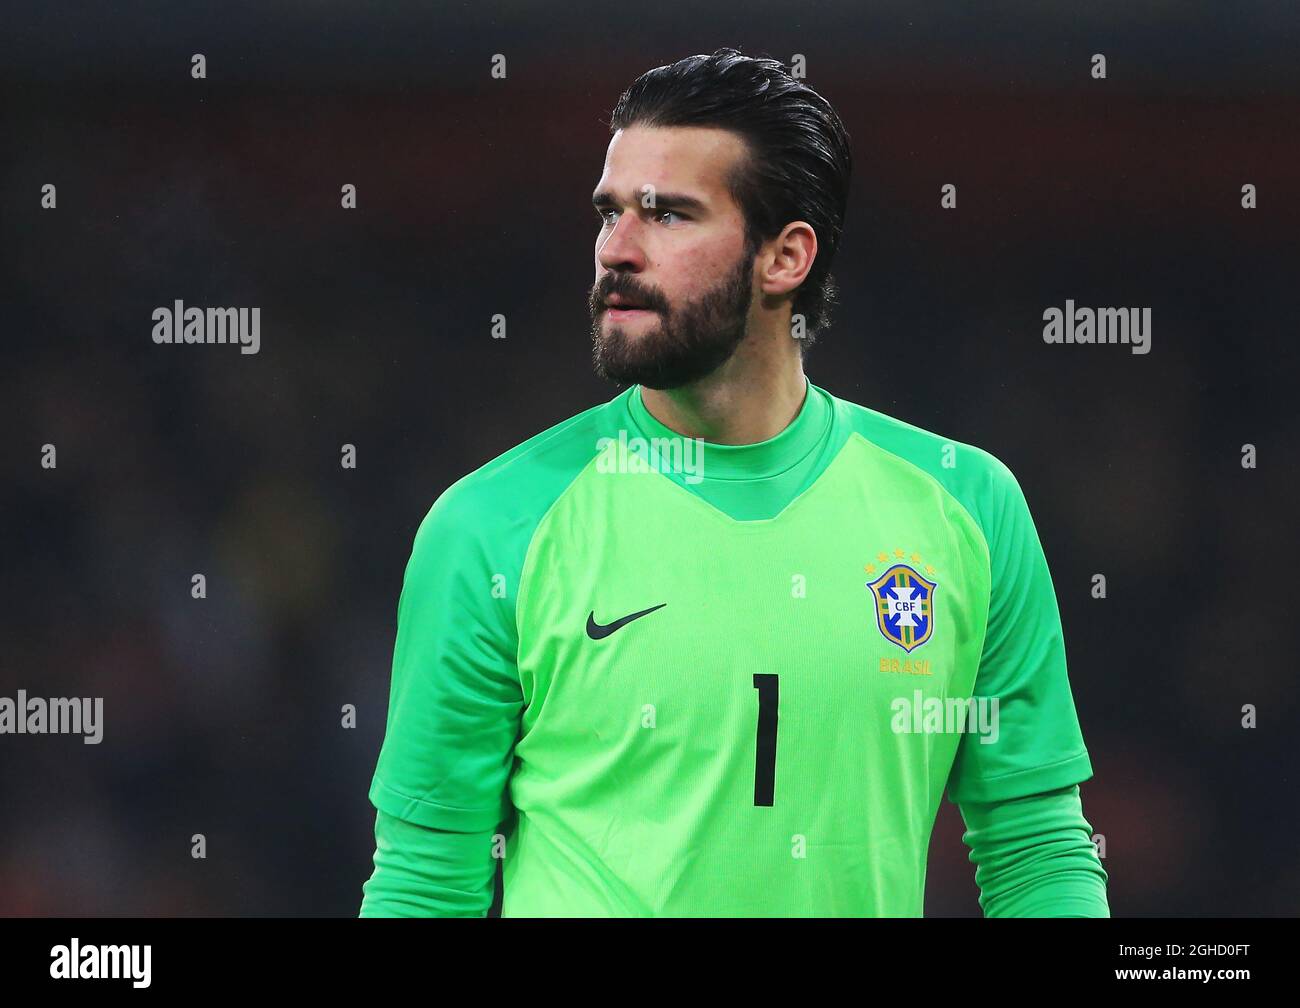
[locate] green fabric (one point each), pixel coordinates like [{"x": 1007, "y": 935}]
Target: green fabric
[
  {"x": 1034, "y": 857},
  {"x": 423, "y": 872},
  {"x": 754, "y": 481},
  {"x": 629, "y": 774}
]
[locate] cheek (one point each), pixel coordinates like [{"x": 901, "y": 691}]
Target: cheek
[{"x": 696, "y": 270}]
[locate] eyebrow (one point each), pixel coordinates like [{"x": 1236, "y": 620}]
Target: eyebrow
[{"x": 677, "y": 201}]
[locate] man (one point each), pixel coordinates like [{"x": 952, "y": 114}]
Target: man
[{"x": 697, "y": 650}]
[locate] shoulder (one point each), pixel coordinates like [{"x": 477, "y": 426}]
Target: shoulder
[
  {"x": 976, "y": 478},
  {"x": 509, "y": 494}
]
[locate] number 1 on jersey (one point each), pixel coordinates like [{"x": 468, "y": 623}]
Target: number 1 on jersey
[{"x": 765, "y": 738}]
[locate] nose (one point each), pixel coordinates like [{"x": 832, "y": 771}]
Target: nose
[{"x": 620, "y": 247}]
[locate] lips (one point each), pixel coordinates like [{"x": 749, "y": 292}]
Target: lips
[{"x": 617, "y": 302}]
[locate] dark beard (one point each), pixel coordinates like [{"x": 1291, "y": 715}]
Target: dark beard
[{"x": 686, "y": 345}]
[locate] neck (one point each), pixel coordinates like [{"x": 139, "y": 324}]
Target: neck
[{"x": 751, "y": 398}]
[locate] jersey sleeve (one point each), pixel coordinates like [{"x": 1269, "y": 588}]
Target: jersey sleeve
[
  {"x": 423, "y": 872},
  {"x": 1034, "y": 857},
  {"x": 1038, "y": 745},
  {"x": 455, "y": 700}
]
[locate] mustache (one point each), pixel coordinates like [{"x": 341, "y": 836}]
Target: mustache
[{"x": 596, "y": 299}]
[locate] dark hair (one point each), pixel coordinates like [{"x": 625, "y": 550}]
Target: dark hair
[{"x": 799, "y": 160}]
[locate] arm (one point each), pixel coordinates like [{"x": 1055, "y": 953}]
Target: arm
[
  {"x": 423, "y": 872},
  {"x": 1018, "y": 790},
  {"x": 453, "y": 717},
  {"x": 1034, "y": 857}
]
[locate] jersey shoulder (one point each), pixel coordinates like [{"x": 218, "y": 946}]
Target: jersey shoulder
[
  {"x": 511, "y": 493},
  {"x": 974, "y": 477}
]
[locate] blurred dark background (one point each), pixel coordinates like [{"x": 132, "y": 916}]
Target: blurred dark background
[{"x": 223, "y": 715}]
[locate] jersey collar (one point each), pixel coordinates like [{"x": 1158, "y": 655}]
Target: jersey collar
[{"x": 752, "y": 461}]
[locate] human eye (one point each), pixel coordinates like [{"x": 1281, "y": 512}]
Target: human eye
[
  {"x": 673, "y": 213},
  {"x": 602, "y": 211}
]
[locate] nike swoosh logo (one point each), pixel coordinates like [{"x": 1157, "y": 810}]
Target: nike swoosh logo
[{"x": 596, "y": 632}]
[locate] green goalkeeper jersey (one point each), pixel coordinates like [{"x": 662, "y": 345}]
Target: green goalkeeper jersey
[{"x": 680, "y": 678}]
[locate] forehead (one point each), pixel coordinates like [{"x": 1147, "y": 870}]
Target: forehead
[{"x": 694, "y": 159}]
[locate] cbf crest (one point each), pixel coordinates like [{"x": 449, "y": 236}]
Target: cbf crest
[{"x": 904, "y": 604}]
